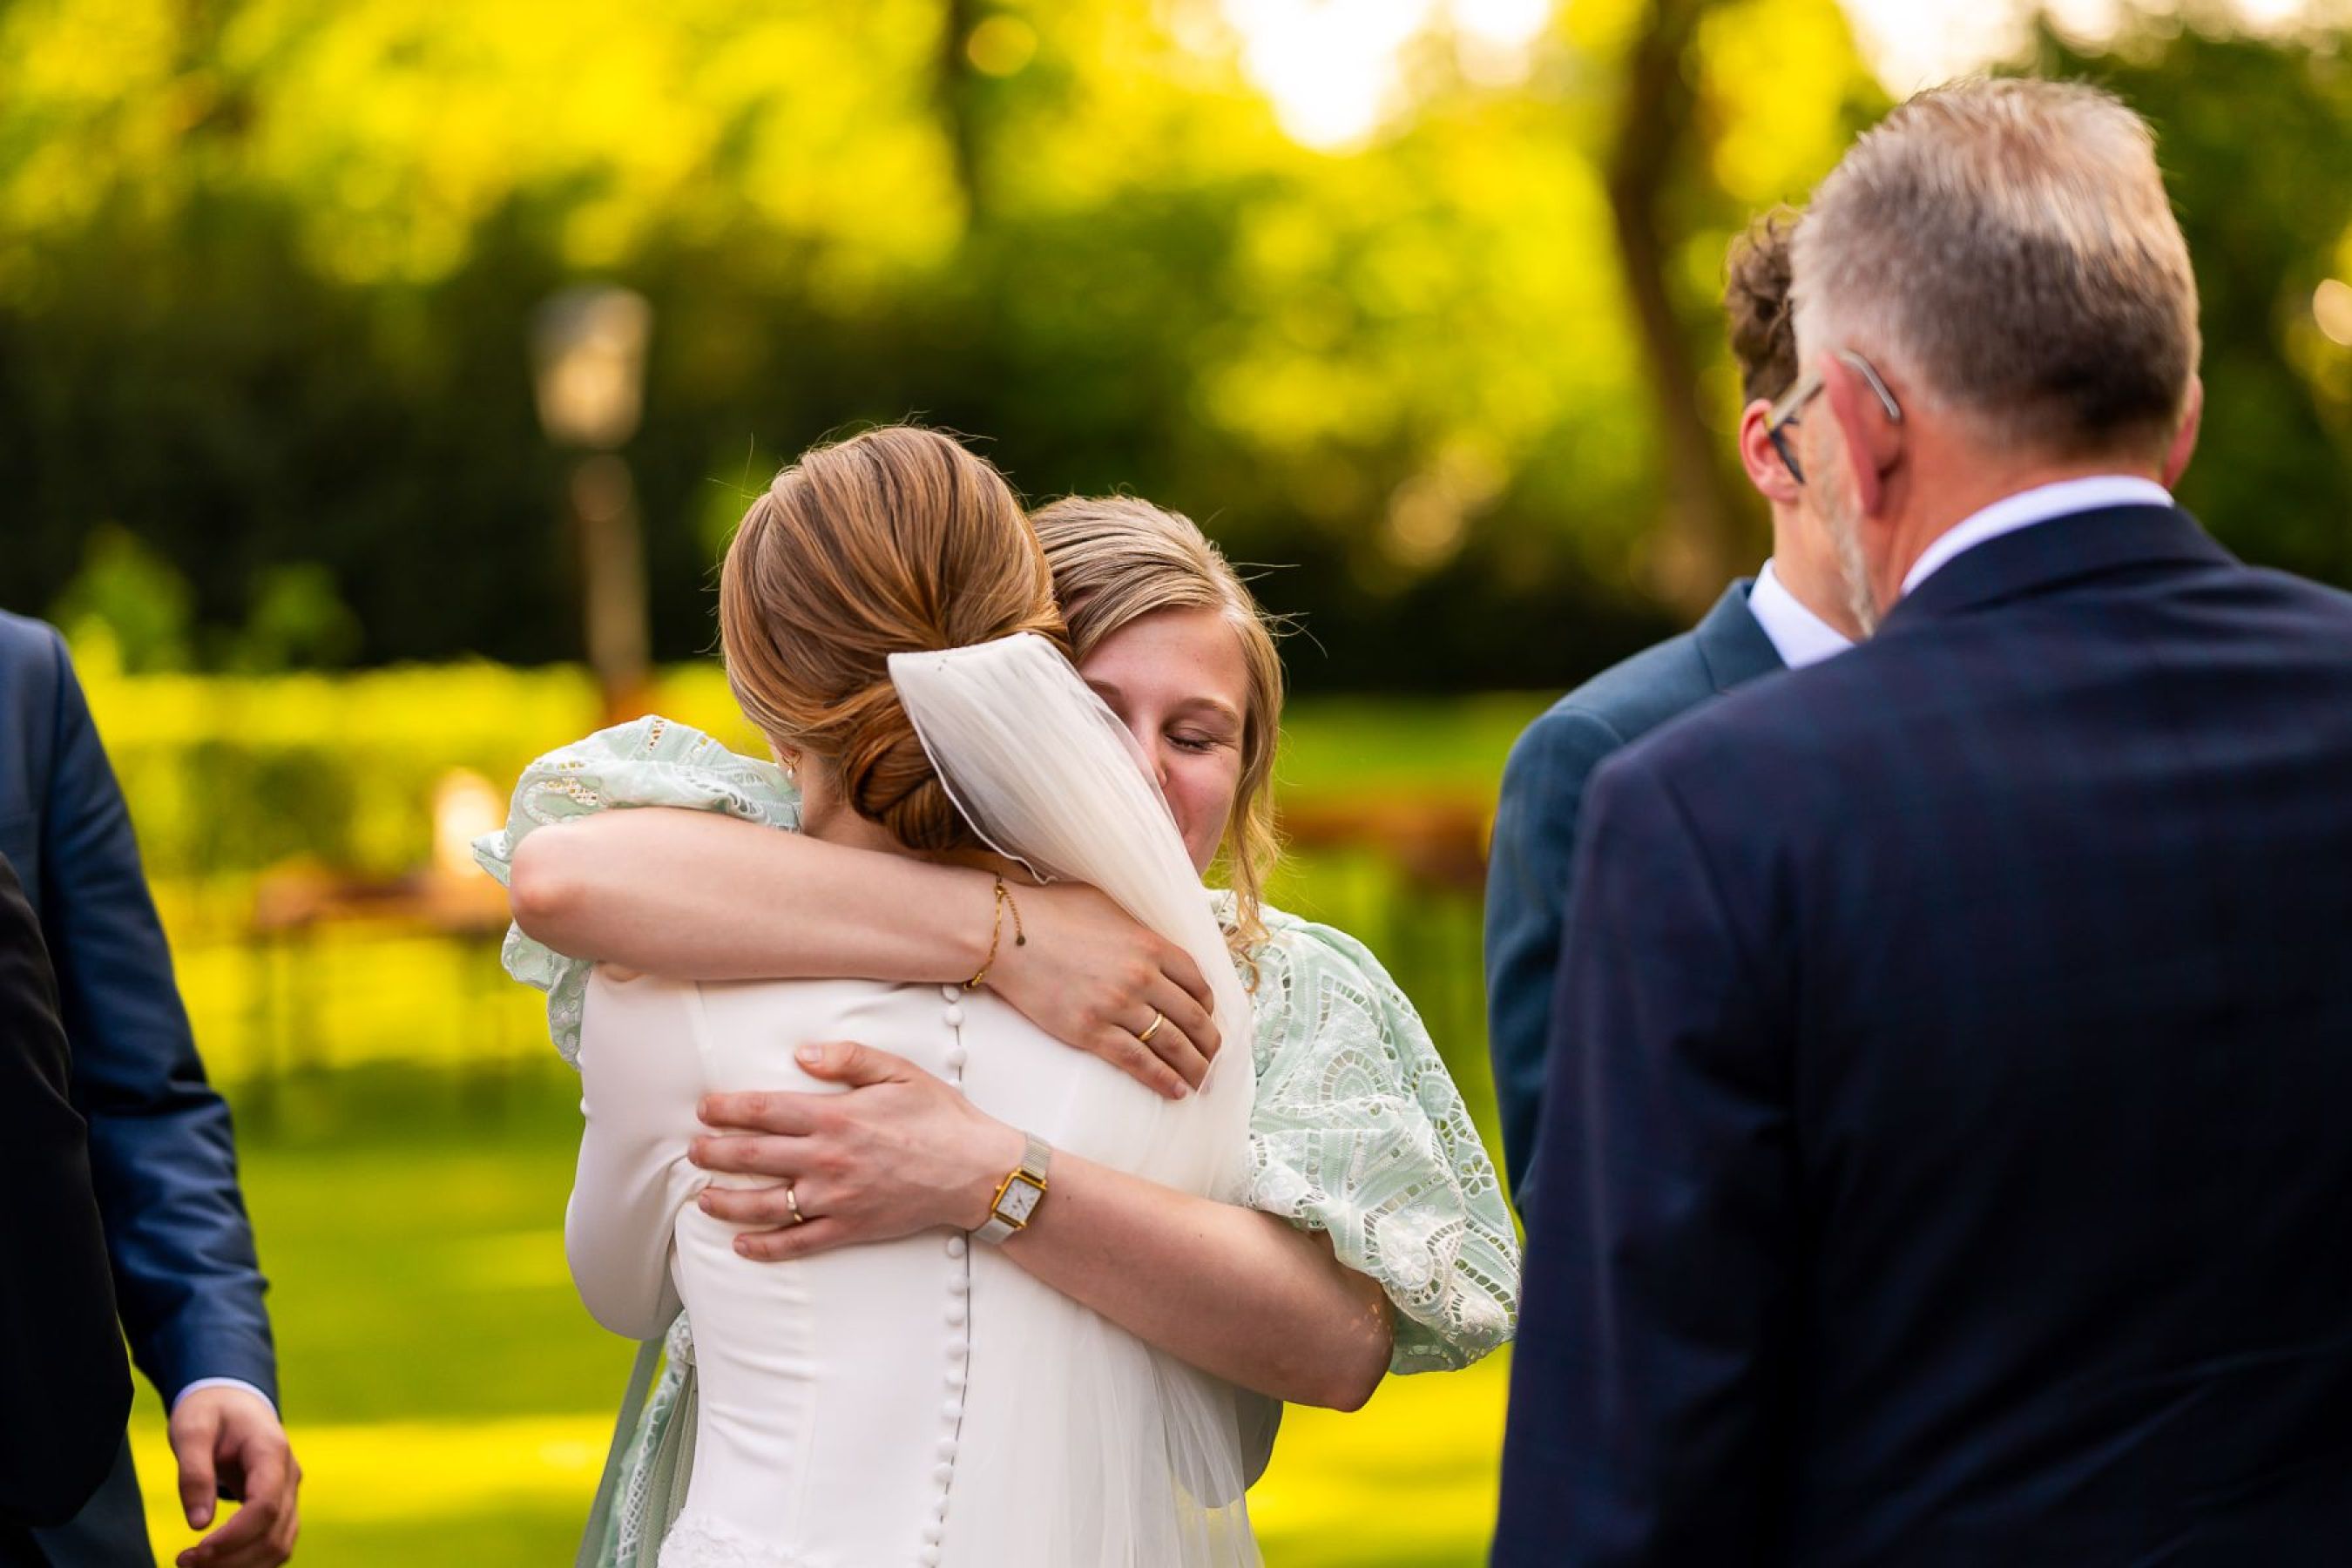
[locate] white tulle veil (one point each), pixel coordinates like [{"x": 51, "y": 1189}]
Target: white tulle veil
[{"x": 1049, "y": 776}]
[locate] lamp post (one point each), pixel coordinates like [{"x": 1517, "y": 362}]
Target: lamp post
[{"x": 588, "y": 357}]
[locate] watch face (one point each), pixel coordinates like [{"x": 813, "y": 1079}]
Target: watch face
[{"x": 1020, "y": 1200}]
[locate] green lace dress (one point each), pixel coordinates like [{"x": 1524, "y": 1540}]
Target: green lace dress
[{"x": 1357, "y": 1131}]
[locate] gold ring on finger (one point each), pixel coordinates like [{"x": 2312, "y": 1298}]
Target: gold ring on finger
[
  {"x": 1151, "y": 1029},
  {"x": 793, "y": 1202}
]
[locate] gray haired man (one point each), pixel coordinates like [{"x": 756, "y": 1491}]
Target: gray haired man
[{"x": 1942, "y": 1157}]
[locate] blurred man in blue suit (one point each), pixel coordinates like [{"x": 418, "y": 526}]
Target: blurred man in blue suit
[
  {"x": 1793, "y": 612},
  {"x": 160, "y": 1147},
  {"x": 1943, "y": 1156}
]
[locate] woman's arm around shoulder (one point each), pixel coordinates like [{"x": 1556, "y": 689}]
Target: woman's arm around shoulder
[{"x": 694, "y": 889}]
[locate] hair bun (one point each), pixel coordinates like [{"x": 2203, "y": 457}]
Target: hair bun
[
  {"x": 892, "y": 541},
  {"x": 887, "y": 777}
]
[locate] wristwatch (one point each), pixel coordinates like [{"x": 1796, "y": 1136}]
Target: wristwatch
[{"x": 1018, "y": 1195}]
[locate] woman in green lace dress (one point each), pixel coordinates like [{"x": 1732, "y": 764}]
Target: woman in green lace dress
[{"x": 1359, "y": 1136}]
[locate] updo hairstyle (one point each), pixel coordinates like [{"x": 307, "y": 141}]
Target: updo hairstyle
[{"x": 895, "y": 541}]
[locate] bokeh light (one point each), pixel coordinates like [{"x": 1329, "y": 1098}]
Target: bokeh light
[{"x": 2331, "y": 307}]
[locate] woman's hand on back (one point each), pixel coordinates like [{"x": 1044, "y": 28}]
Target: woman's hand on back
[
  {"x": 1091, "y": 977},
  {"x": 902, "y": 1152}
]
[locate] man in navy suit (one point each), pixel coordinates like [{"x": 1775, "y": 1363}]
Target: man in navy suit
[
  {"x": 1943, "y": 1156},
  {"x": 63, "y": 1381},
  {"x": 1791, "y": 614},
  {"x": 161, "y": 1153}
]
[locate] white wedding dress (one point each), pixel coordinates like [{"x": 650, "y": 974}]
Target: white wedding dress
[{"x": 925, "y": 1401}]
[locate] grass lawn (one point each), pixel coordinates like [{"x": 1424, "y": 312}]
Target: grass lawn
[{"x": 451, "y": 1401}]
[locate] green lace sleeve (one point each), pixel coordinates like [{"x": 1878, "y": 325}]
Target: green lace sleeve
[
  {"x": 1360, "y": 1133},
  {"x": 649, "y": 761}
]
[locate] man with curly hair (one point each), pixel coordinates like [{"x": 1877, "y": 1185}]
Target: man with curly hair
[{"x": 1791, "y": 614}]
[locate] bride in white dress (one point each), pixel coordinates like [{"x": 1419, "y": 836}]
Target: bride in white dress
[{"x": 921, "y": 1400}]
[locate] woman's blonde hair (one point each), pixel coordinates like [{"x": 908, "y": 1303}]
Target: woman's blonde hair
[
  {"x": 892, "y": 541},
  {"x": 1115, "y": 560}
]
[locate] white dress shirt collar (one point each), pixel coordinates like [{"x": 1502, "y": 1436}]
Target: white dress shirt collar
[
  {"x": 1798, "y": 636},
  {"x": 2027, "y": 508}
]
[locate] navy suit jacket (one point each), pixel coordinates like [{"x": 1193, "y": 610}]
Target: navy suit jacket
[
  {"x": 1944, "y": 1149},
  {"x": 1535, "y": 834},
  {"x": 63, "y": 1381},
  {"x": 185, "y": 1280}
]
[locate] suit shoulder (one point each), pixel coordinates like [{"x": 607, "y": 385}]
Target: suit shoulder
[
  {"x": 1787, "y": 726},
  {"x": 1562, "y": 737},
  {"x": 33, "y": 668},
  {"x": 1621, "y": 703},
  {"x": 1636, "y": 695},
  {"x": 22, "y": 637},
  {"x": 2329, "y": 603}
]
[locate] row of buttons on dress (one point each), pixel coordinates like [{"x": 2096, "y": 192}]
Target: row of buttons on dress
[{"x": 959, "y": 1324}]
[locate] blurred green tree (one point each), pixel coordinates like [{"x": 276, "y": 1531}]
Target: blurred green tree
[
  {"x": 129, "y": 602},
  {"x": 266, "y": 270}
]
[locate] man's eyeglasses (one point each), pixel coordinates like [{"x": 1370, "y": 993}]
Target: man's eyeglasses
[{"x": 1783, "y": 416}]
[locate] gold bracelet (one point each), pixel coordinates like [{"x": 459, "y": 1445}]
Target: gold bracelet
[
  {"x": 1002, "y": 900},
  {"x": 997, "y": 901},
  {"x": 1020, "y": 937}
]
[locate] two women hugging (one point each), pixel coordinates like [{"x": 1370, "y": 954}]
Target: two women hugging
[{"x": 994, "y": 1181}]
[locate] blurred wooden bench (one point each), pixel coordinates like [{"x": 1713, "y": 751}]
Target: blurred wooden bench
[
  {"x": 295, "y": 905},
  {"x": 1439, "y": 841}
]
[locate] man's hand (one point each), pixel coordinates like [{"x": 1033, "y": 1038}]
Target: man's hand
[
  {"x": 902, "y": 1152},
  {"x": 230, "y": 1445},
  {"x": 1091, "y": 977}
]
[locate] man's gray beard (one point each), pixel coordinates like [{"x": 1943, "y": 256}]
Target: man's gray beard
[{"x": 1841, "y": 518}]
